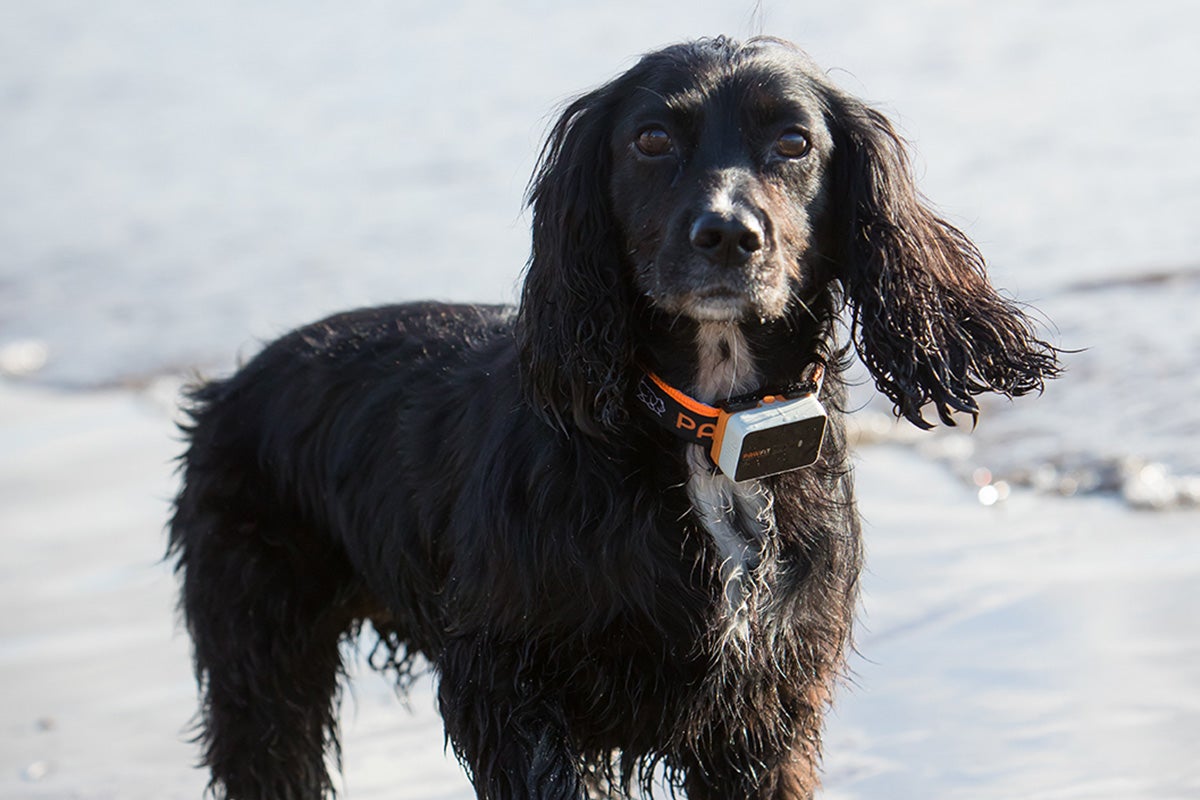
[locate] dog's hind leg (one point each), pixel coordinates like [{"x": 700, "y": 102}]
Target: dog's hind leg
[{"x": 266, "y": 603}]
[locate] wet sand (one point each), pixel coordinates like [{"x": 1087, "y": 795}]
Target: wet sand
[{"x": 1037, "y": 648}]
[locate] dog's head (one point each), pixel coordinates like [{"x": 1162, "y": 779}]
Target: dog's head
[
  {"x": 731, "y": 182},
  {"x": 719, "y": 157}
]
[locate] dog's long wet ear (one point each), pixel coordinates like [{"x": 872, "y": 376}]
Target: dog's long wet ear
[
  {"x": 925, "y": 319},
  {"x": 573, "y": 324}
]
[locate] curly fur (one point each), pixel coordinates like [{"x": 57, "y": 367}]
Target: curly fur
[{"x": 473, "y": 483}]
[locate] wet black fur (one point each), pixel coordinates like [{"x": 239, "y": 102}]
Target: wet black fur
[{"x": 477, "y": 485}]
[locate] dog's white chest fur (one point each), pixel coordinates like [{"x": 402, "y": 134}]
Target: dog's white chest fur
[{"x": 737, "y": 516}]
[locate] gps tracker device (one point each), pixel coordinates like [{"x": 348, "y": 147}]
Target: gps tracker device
[
  {"x": 775, "y": 435},
  {"x": 751, "y": 436}
]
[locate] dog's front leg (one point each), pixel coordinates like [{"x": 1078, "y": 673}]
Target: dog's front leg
[
  {"x": 748, "y": 774},
  {"x": 510, "y": 737}
]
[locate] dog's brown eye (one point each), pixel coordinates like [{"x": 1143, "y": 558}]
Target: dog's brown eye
[
  {"x": 654, "y": 142},
  {"x": 793, "y": 144}
]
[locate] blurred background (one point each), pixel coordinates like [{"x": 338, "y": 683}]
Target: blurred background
[{"x": 182, "y": 181}]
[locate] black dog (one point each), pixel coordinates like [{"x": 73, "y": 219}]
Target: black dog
[{"x": 491, "y": 489}]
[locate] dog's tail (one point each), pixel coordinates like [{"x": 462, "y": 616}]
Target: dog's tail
[{"x": 266, "y": 601}]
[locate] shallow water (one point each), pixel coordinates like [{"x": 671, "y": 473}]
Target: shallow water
[{"x": 181, "y": 182}]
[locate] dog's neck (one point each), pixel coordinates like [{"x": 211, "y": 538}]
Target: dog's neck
[
  {"x": 709, "y": 361},
  {"x": 725, "y": 365},
  {"x": 714, "y": 361},
  {"x": 737, "y": 517}
]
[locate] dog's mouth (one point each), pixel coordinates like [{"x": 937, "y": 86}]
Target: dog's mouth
[
  {"x": 705, "y": 294},
  {"x": 718, "y": 293},
  {"x": 716, "y": 303},
  {"x": 724, "y": 301}
]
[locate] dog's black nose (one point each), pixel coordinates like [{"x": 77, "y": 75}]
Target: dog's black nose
[{"x": 727, "y": 239}]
